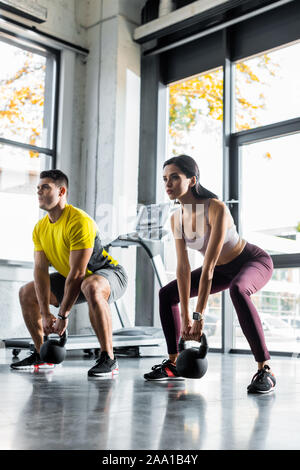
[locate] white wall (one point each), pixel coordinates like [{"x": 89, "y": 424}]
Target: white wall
[{"x": 110, "y": 146}]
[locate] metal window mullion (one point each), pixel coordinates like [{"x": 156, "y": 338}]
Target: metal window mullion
[
  {"x": 294, "y": 355},
  {"x": 227, "y": 308},
  {"x": 49, "y": 101},
  {"x": 24, "y": 146},
  {"x": 290, "y": 260},
  {"x": 278, "y": 129},
  {"x": 40, "y": 38},
  {"x": 54, "y": 130},
  {"x": 15, "y": 41}
]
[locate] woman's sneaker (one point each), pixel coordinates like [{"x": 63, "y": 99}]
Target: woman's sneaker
[
  {"x": 32, "y": 362},
  {"x": 263, "y": 381},
  {"x": 164, "y": 371},
  {"x": 104, "y": 367}
]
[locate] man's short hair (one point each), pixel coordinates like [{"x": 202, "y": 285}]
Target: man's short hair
[{"x": 59, "y": 178}]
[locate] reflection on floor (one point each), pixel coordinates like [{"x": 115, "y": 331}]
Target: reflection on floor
[{"x": 63, "y": 409}]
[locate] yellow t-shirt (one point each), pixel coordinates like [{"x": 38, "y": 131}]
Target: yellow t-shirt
[{"x": 74, "y": 230}]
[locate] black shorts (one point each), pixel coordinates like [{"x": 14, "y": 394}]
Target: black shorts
[{"x": 116, "y": 276}]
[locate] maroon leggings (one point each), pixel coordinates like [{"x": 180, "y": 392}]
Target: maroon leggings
[{"x": 244, "y": 276}]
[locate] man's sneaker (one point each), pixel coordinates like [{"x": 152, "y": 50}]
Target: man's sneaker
[
  {"x": 263, "y": 381},
  {"x": 164, "y": 371},
  {"x": 104, "y": 367},
  {"x": 32, "y": 362}
]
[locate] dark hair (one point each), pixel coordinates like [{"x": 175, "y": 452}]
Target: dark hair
[
  {"x": 57, "y": 176},
  {"x": 189, "y": 167}
]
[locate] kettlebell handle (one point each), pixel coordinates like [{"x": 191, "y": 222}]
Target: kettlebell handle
[
  {"x": 203, "y": 349},
  {"x": 181, "y": 345},
  {"x": 62, "y": 339}
]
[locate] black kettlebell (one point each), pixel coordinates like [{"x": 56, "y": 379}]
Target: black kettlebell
[
  {"x": 192, "y": 363},
  {"x": 53, "y": 350}
]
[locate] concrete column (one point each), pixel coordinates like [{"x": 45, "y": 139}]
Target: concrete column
[{"x": 109, "y": 166}]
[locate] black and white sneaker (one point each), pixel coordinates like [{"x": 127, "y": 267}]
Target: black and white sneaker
[
  {"x": 262, "y": 382},
  {"x": 164, "y": 371},
  {"x": 104, "y": 367},
  {"x": 32, "y": 362}
]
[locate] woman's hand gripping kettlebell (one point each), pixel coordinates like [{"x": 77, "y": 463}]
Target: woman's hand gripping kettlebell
[{"x": 197, "y": 327}]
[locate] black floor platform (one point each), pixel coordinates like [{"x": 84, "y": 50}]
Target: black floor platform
[{"x": 131, "y": 341}]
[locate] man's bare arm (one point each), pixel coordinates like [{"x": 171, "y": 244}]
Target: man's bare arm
[
  {"x": 42, "y": 281},
  {"x": 78, "y": 263},
  {"x": 42, "y": 289}
]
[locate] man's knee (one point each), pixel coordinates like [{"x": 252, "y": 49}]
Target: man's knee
[
  {"x": 27, "y": 293},
  {"x": 95, "y": 291}
]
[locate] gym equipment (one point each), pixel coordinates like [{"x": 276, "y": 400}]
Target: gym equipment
[
  {"x": 192, "y": 363},
  {"x": 149, "y": 229},
  {"x": 53, "y": 350}
]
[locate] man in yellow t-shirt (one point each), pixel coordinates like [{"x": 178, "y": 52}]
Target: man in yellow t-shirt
[{"x": 68, "y": 239}]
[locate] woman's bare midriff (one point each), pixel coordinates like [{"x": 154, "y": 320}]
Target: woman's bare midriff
[{"x": 237, "y": 250}]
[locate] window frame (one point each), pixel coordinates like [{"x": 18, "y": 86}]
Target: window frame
[
  {"x": 37, "y": 48},
  {"x": 18, "y": 40}
]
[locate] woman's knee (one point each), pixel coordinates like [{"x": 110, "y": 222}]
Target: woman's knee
[
  {"x": 162, "y": 293},
  {"x": 168, "y": 294},
  {"x": 238, "y": 289}
]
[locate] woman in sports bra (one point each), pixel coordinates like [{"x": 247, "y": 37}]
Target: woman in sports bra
[{"x": 204, "y": 223}]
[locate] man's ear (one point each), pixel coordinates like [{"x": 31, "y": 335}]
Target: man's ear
[{"x": 63, "y": 191}]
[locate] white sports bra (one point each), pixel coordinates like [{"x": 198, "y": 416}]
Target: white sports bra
[{"x": 200, "y": 243}]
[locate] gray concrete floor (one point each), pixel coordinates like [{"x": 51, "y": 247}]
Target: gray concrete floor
[{"x": 64, "y": 409}]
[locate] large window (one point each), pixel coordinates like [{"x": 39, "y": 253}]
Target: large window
[
  {"x": 270, "y": 194},
  {"x": 28, "y": 105},
  {"x": 266, "y": 148},
  {"x": 267, "y": 88},
  {"x": 195, "y": 129}
]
